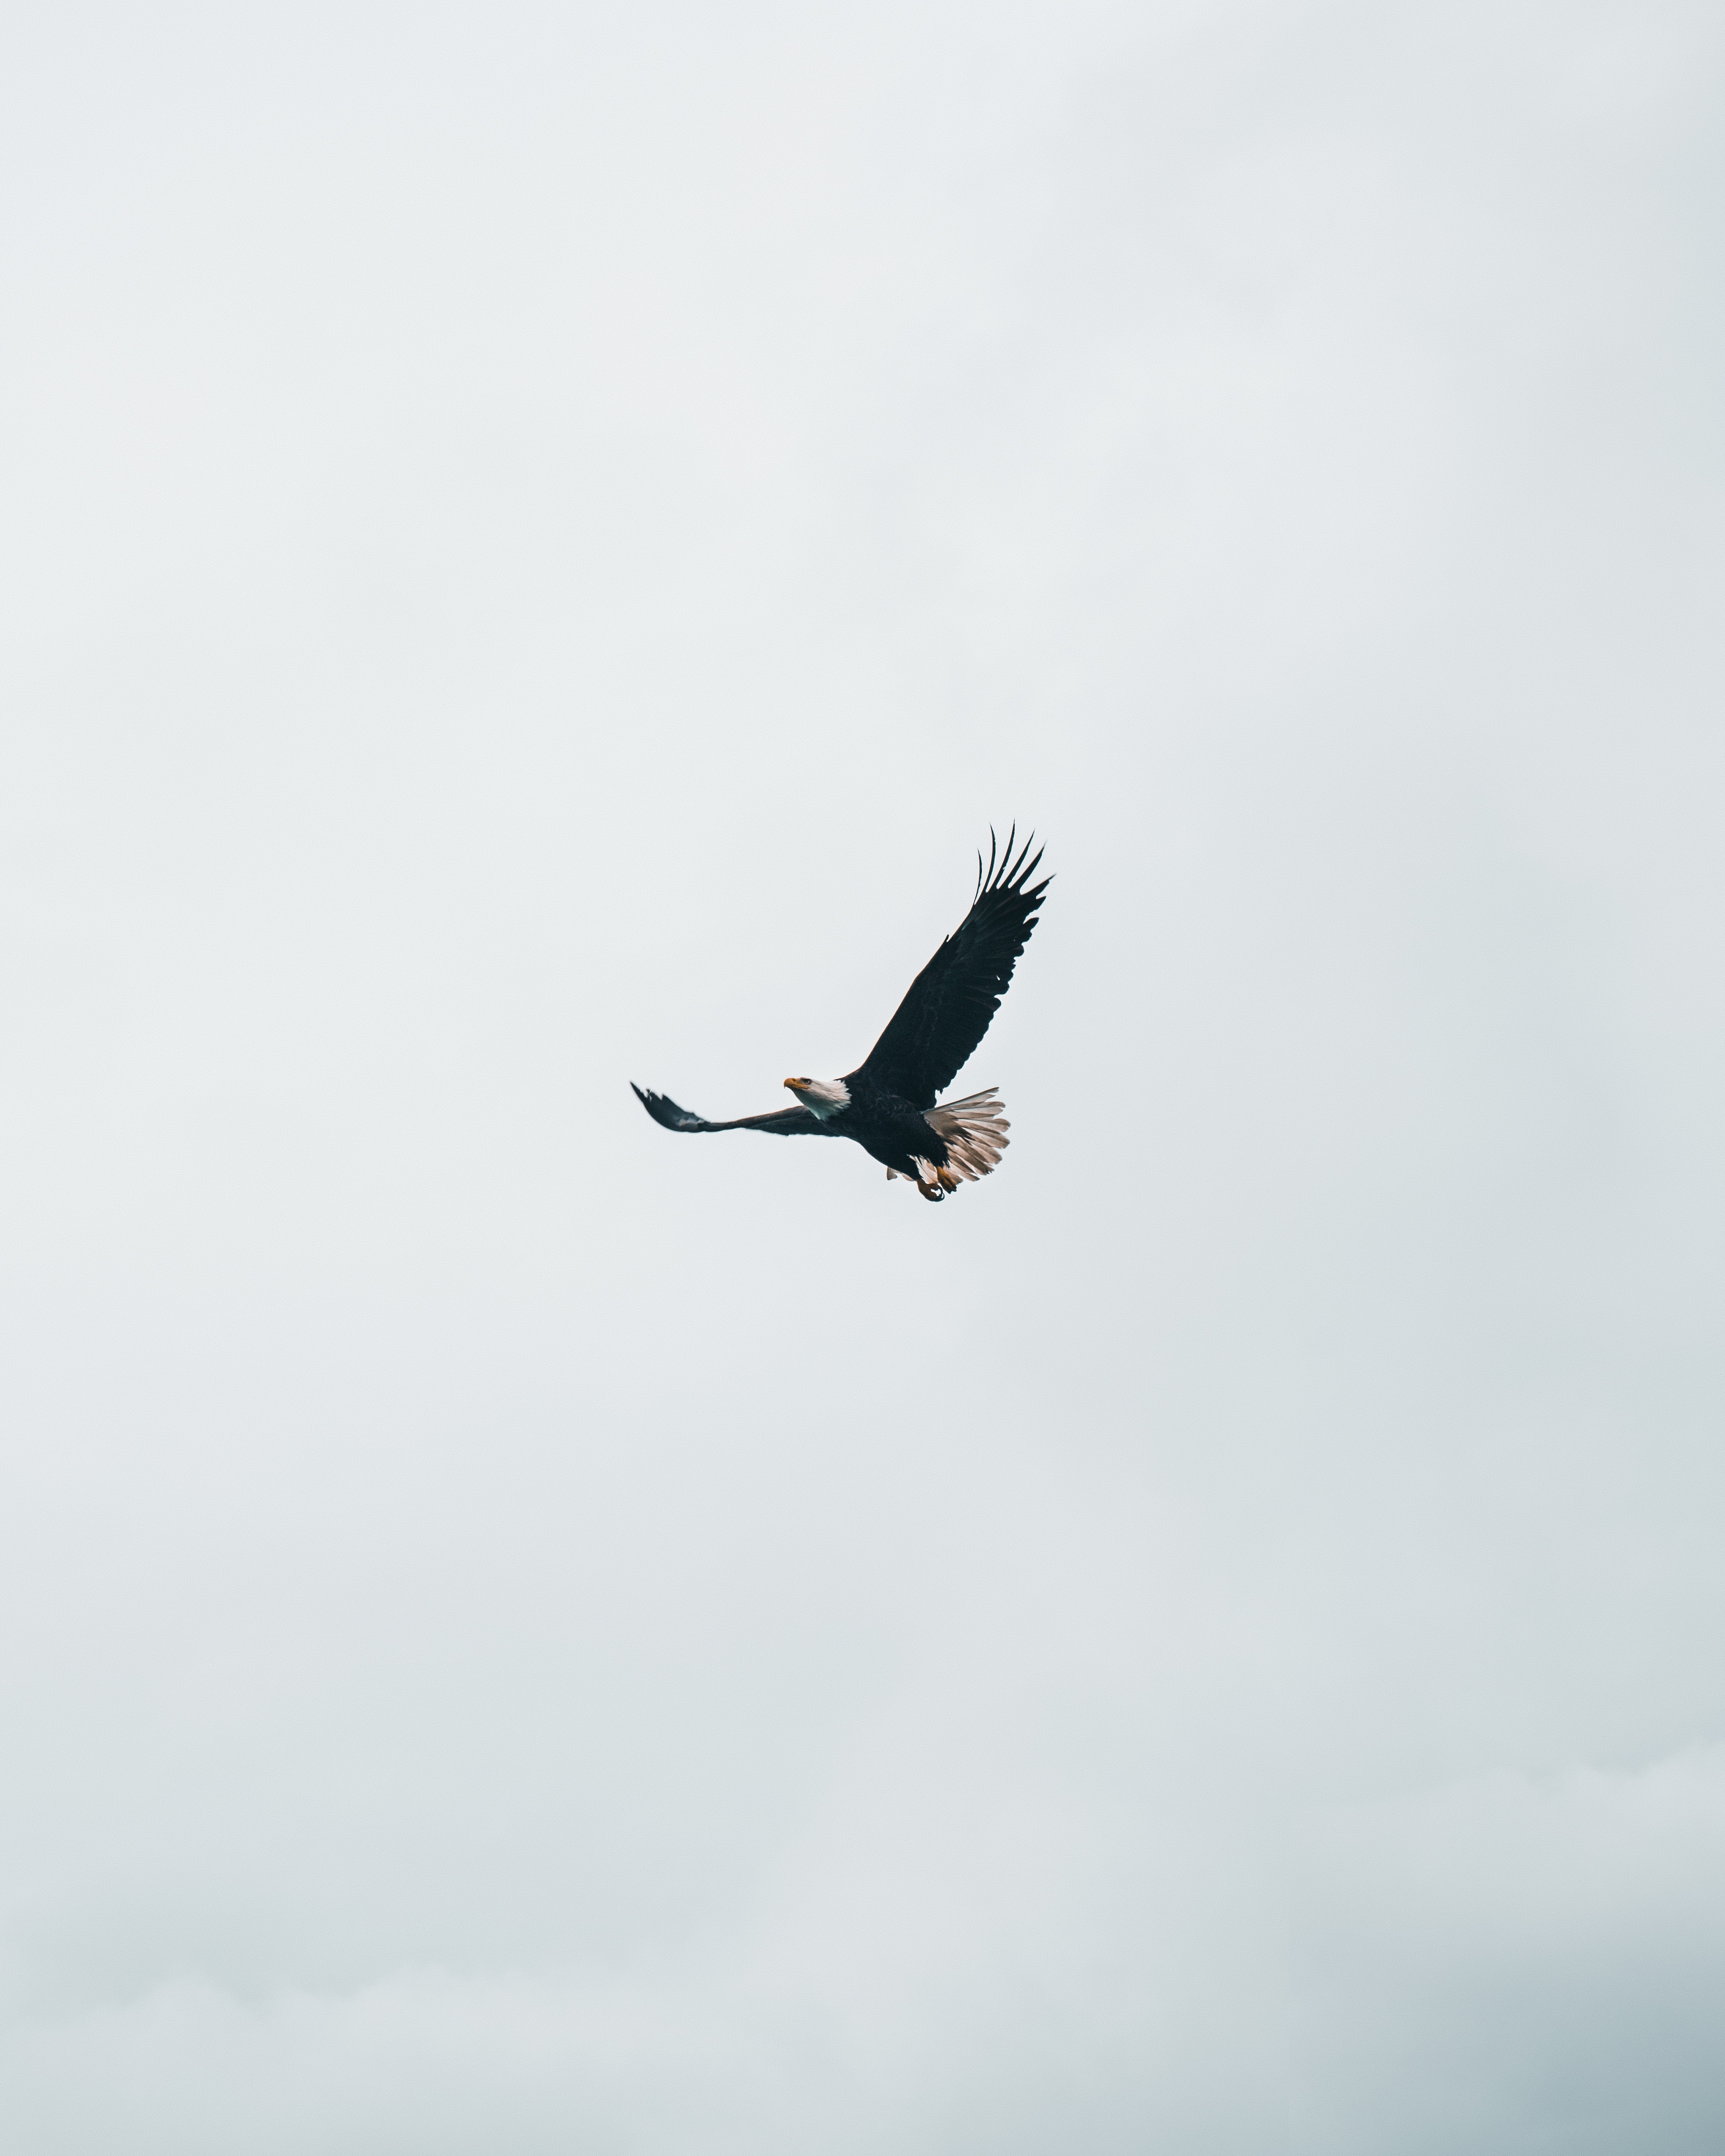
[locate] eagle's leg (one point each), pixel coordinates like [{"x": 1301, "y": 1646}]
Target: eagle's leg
[
  {"x": 946, "y": 1178},
  {"x": 932, "y": 1191}
]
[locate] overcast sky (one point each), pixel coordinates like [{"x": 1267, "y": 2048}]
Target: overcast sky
[{"x": 534, "y": 545}]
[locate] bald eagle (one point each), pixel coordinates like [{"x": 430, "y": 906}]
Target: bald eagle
[{"x": 888, "y": 1103}]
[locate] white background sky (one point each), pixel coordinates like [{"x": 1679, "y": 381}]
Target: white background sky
[{"x": 533, "y": 545}]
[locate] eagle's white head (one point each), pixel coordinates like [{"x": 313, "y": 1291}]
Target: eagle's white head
[{"x": 822, "y": 1097}]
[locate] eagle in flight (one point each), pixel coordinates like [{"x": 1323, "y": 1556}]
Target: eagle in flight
[{"x": 888, "y": 1103}]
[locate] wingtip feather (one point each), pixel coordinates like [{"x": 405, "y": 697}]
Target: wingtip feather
[{"x": 1011, "y": 867}]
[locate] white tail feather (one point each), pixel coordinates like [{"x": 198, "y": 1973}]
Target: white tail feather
[{"x": 975, "y": 1131}]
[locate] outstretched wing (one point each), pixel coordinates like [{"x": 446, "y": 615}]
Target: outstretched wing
[
  {"x": 948, "y": 1007},
  {"x": 784, "y": 1122}
]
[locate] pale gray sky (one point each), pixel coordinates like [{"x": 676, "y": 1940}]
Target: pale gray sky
[{"x": 533, "y": 545}]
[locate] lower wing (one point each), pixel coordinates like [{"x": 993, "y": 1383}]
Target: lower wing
[{"x": 784, "y": 1122}]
